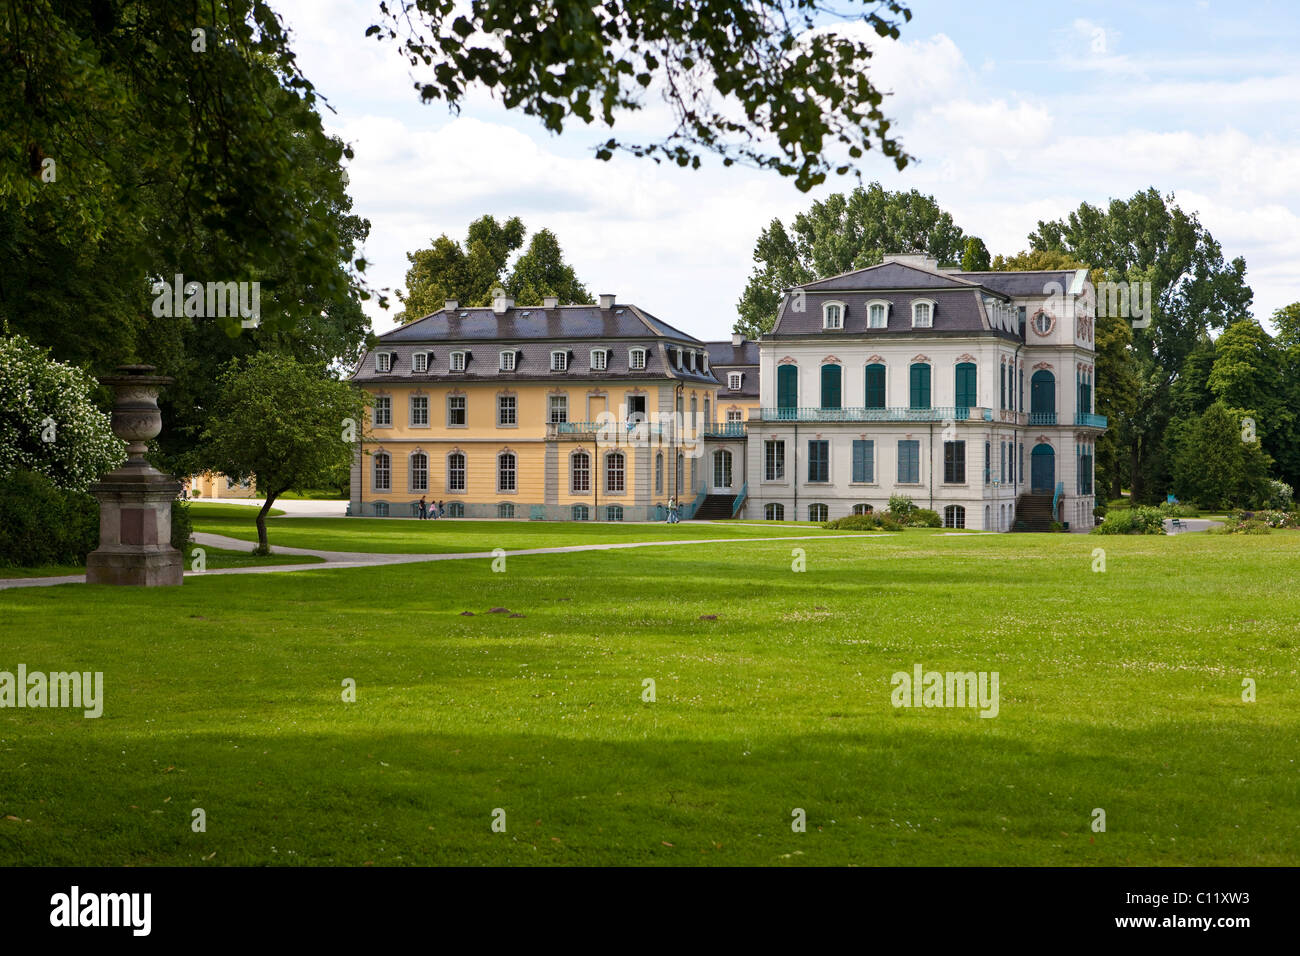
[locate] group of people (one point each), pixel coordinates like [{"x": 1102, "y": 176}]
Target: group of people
[{"x": 429, "y": 509}]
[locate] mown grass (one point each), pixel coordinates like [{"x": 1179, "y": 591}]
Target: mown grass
[
  {"x": 214, "y": 558},
  {"x": 450, "y": 536},
  {"x": 1120, "y": 690}
]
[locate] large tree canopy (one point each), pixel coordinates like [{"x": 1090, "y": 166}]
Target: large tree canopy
[
  {"x": 767, "y": 83},
  {"x": 151, "y": 138},
  {"x": 470, "y": 273},
  {"x": 838, "y": 234}
]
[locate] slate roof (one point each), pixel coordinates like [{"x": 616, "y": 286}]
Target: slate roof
[
  {"x": 725, "y": 358},
  {"x": 533, "y": 333},
  {"x": 1023, "y": 283}
]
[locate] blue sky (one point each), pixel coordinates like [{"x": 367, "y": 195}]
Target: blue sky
[{"x": 1016, "y": 112}]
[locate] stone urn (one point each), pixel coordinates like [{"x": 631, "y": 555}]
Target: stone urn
[{"x": 135, "y": 500}]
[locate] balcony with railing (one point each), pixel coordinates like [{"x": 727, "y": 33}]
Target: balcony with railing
[
  {"x": 726, "y": 429},
  {"x": 1042, "y": 418},
  {"x": 936, "y": 414},
  {"x": 1088, "y": 420},
  {"x": 607, "y": 430}
]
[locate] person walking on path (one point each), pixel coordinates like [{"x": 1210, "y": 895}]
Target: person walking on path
[
  {"x": 424, "y": 508},
  {"x": 442, "y": 512},
  {"x": 672, "y": 510}
]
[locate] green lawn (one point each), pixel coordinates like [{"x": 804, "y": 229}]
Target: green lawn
[
  {"x": 1119, "y": 690},
  {"x": 449, "y": 536},
  {"x": 214, "y": 558}
]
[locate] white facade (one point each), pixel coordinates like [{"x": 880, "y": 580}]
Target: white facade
[{"x": 955, "y": 426}]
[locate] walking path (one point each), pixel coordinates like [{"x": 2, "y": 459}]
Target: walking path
[{"x": 365, "y": 559}]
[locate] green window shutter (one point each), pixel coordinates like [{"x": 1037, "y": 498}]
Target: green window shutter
[
  {"x": 966, "y": 385},
  {"x": 787, "y": 387},
  {"x": 909, "y": 461},
  {"x": 863, "y": 460},
  {"x": 875, "y": 386},
  {"x": 920, "y": 382},
  {"x": 830, "y": 386}
]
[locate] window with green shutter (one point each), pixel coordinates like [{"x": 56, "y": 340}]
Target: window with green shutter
[
  {"x": 819, "y": 461},
  {"x": 787, "y": 386},
  {"x": 864, "y": 460},
  {"x": 966, "y": 385},
  {"x": 909, "y": 461},
  {"x": 920, "y": 385},
  {"x": 875, "y": 386},
  {"x": 830, "y": 386}
]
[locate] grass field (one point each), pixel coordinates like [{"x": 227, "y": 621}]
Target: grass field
[
  {"x": 1119, "y": 690},
  {"x": 394, "y": 536},
  {"x": 214, "y": 558}
]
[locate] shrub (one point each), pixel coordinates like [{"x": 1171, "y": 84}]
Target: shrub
[
  {"x": 1099, "y": 511},
  {"x": 48, "y": 421},
  {"x": 917, "y": 518},
  {"x": 900, "y": 506},
  {"x": 1139, "y": 520},
  {"x": 1177, "y": 510},
  {"x": 1279, "y": 495},
  {"x": 42, "y": 524},
  {"x": 182, "y": 526},
  {"x": 867, "y": 522}
]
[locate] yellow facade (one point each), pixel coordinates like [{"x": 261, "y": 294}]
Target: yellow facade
[
  {"x": 209, "y": 485},
  {"x": 421, "y": 420}
]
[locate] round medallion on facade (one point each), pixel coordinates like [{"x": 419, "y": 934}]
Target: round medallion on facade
[{"x": 1043, "y": 323}]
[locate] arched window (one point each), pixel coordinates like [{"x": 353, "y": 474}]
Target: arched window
[
  {"x": 507, "y": 473},
  {"x": 580, "y": 513},
  {"x": 613, "y": 512},
  {"x": 774, "y": 512},
  {"x": 830, "y": 386},
  {"x": 875, "y": 386},
  {"x": 862, "y": 509},
  {"x": 456, "y": 509},
  {"x": 722, "y": 469},
  {"x": 877, "y": 314},
  {"x": 580, "y": 472},
  {"x": 966, "y": 392},
  {"x": 419, "y": 471},
  {"x": 1042, "y": 398},
  {"x": 506, "y": 509},
  {"x": 923, "y": 314},
  {"x": 381, "y": 509},
  {"x": 659, "y": 473},
  {"x": 456, "y": 471},
  {"x": 954, "y": 516},
  {"x": 833, "y": 315},
  {"x": 383, "y": 480},
  {"x": 920, "y": 385},
  {"x": 615, "y": 473},
  {"x": 680, "y": 488},
  {"x": 787, "y": 390},
  {"x": 817, "y": 513}
]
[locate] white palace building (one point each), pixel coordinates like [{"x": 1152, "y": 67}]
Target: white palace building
[{"x": 969, "y": 392}]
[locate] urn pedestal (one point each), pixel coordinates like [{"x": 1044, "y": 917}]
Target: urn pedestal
[{"x": 135, "y": 501}]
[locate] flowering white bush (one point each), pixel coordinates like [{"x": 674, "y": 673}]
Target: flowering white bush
[{"x": 48, "y": 422}]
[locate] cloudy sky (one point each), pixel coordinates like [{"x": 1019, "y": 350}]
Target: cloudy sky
[{"x": 1015, "y": 111}]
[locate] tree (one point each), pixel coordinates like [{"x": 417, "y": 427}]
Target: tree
[
  {"x": 760, "y": 82},
  {"x": 1193, "y": 289},
  {"x": 839, "y": 234},
  {"x": 248, "y": 188},
  {"x": 48, "y": 421},
  {"x": 542, "y": 271},
  {"x": 975, "y": 255},
  {"x": 1215, "y": 465},
  {"x": 470, "y": 273},
  {"x": 286, "y": 423}
]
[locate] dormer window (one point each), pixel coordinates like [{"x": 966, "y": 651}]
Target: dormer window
[
  {"x": 636, "y": 359},
  {"x": 507, "y": 361},
  {"x": 559, "y": 361},
  {"x": 383, "y": 362},
  {"x": 420, "y": 362},
  {"x": 735, "y": 380},
  {"x": 923, "y": 314},
  {"x": 704, "y": 361},
  {"x": 456, "y": 362},
  {"x": 598, "y": 360},
  {"x": 877, "y": 314},
  {"x": 690, "y": 361},
  {"x": 833, "y": 315}
]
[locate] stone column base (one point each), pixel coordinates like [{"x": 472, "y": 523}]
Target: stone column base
[{"x": 161, "y": 568}]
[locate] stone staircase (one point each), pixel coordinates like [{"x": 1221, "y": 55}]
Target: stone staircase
[
  {"x": 716, "y": 508},
  {"x": 1034, "y": 512}
]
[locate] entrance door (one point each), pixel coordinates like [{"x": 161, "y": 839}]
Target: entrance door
[
  {"x": 1042, "y": 475},
  {"x": 722, "y": 470}
]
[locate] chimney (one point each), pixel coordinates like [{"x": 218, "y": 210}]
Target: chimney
[
  {"x": 501, "y": 304},
  {"x": 450, "y": 305},
  {"x": 916, "y": 260},
  {"x": 737, "y": 339},
  {"x": 551, "y": 302},
  {"x": 607, "y": 300}
]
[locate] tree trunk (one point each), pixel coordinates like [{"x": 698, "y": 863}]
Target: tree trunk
[{"x": 264, "y": 546}]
